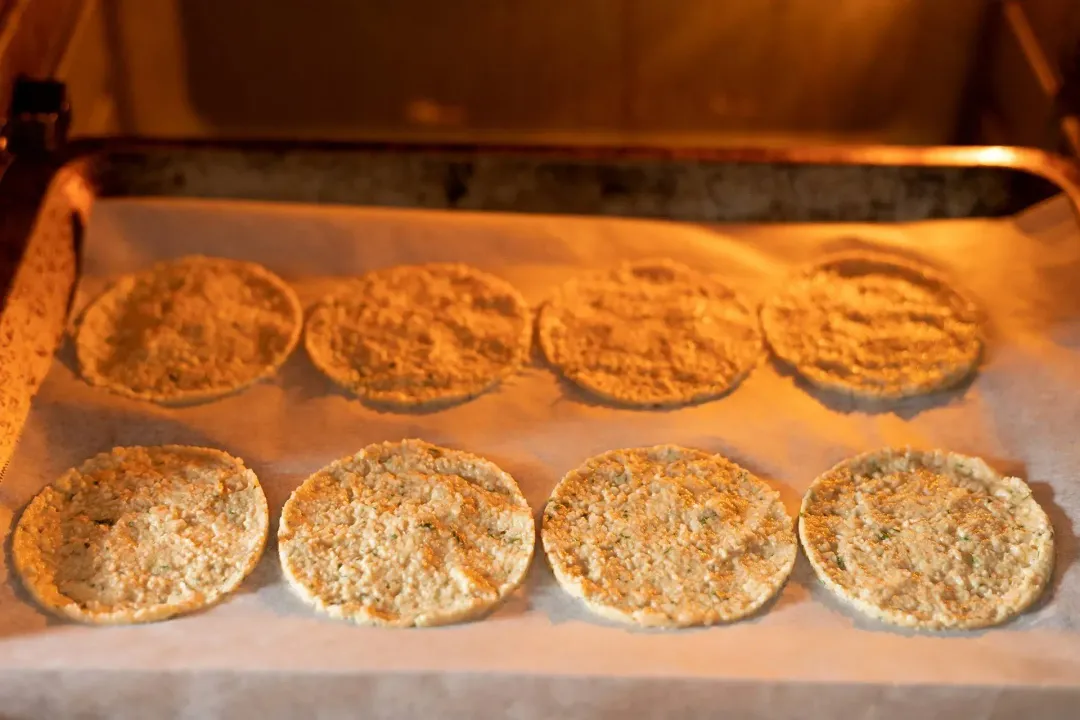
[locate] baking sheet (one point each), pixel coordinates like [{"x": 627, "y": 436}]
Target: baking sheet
[{"x": 1022, "y": 414}]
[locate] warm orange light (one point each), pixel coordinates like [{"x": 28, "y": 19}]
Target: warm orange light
[{"x": 997, "y": 155}]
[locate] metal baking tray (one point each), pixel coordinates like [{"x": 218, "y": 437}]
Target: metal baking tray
[
  {"x": 47, "y": 202},
  {"x": 46, "y": 198}
]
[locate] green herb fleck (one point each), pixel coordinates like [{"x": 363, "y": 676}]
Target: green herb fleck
[
  {"x": 885, "y": 534},
  {"x": 393, "y": 536},
  {"x": 427, "y": 525},
  {"x": 840, "y": 563},
  {"x": 963, "y": 537}
]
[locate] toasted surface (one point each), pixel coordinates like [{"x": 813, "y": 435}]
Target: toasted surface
[
  {"x": 406, "y": 533},
  {"x": 927, "y": 539},
  {"x": 873, "y": 326},
  {"x": 419, "y": 335},
  {"x": 190, "y": 329},
  {"x": 142, "y": 533},
  {"x": 669, "y": 537},
  {"x": 650, "y": 333}
]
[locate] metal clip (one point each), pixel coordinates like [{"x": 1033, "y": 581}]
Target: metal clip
[{"x": 38, "y": 117}]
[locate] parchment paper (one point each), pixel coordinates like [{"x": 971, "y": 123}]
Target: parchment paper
[{"x": 264, "y": 653}]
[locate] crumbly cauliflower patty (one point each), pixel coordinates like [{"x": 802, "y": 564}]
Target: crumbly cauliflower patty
[
  {"x": 420, "y": 335},
  {"x": 188, "y": 330},
  {"x": 139, "y": 534},
  {"x": 927, "y": 539},
  {"x": 874, "y": 327},
  {"x": 406, "y": 533},
  {"x": 668, "y": 537},
  {"x": 650, "y": 333}
]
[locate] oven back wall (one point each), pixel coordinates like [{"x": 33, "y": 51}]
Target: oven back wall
[{"x": 696, "y": 71}]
